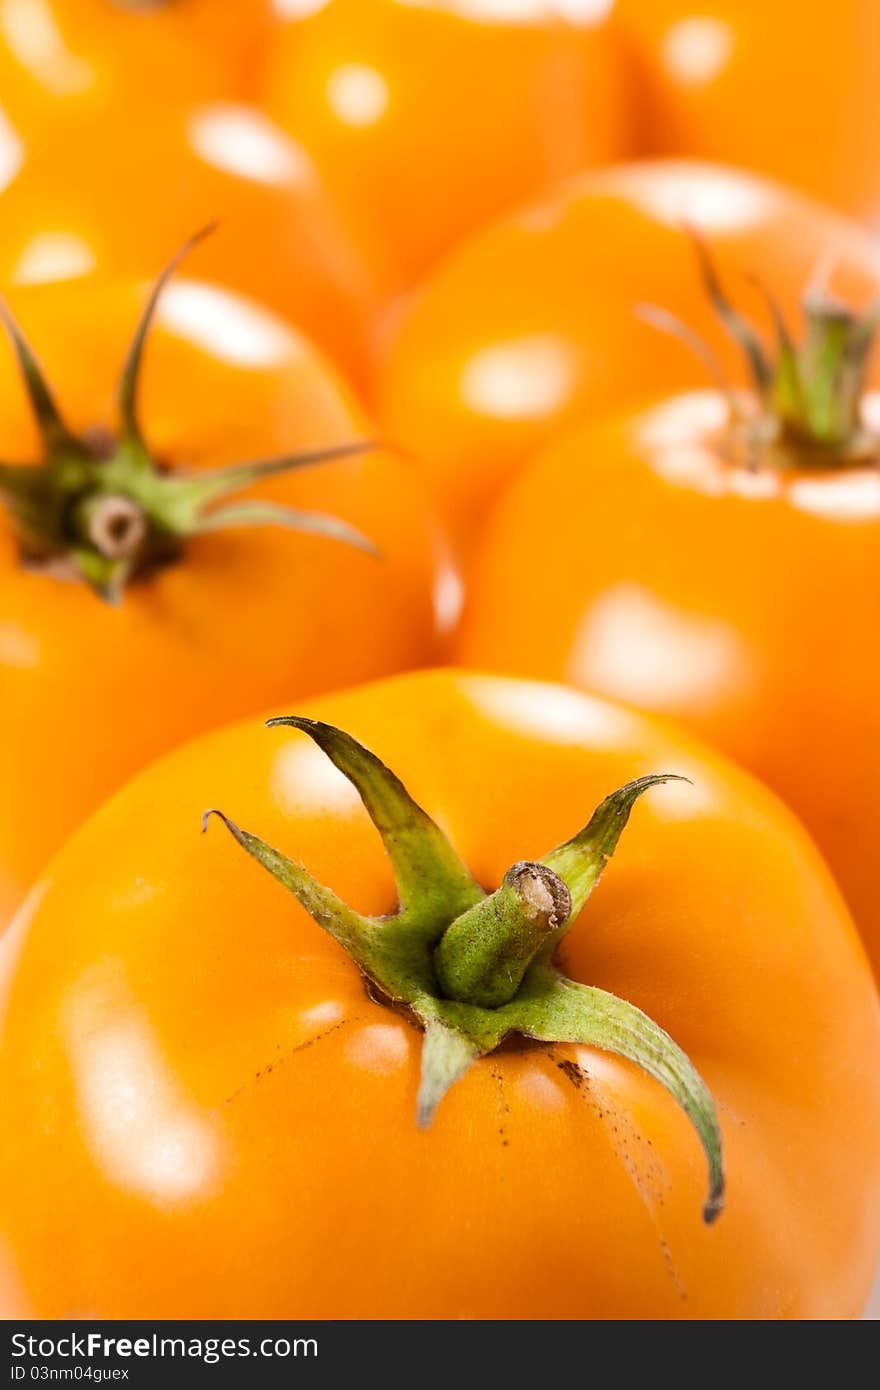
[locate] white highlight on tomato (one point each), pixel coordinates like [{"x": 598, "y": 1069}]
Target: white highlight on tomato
[
  {"x": 697, "y": 49},
  {"x": 579, "y": 12},
  {"x": 227, "y": 326},
  {"x": 11, "y": 152},
  {"x": 242, "y": 141},
  {"x": 850, "y": 495},
  {"x": 636, "y": 647},
  {"x": 448, "y": 596},
  {"x": 524, "y": 379},
  {"x": 299, "y": 9},
  {"x": 357, "y": 94},
  {"x": 536, "y": 1091},
  {"x": 380, "y": 1048},
  {"x": 141, "y": 1127},
  {"x": 53, "y": 256},
  {"x": 321, "y": 1016},
  {"x": 18, "y": 647},
  {"x": 304, "y": 780},
  {"x": 712, "y": 198},
  {"x": 30, "y": 30},
  {"x": 551, "y": 713}
]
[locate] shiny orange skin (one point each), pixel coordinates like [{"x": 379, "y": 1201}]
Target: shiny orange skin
[
  {"x": 117, "y": 191},
  {"x": 57, "y": 56},
  {"x": 533, "y": 324},
  {"x": 791, "y": 91},
  {"x": 93, "y": 692},
  {"x": 428, "y": 119},
  {"x": 214, "y": 1119},
  {"x": 634, "y": 560}
]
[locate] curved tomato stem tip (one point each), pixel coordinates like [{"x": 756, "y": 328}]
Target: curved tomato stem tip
[
  {"x": 129, "y": 382},
  {"x": 580, "y": 861}
]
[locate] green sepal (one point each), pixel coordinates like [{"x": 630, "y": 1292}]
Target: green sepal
[
  {"x": 106, "y": 577},
  {"x": 55, "y": 435},
  {"x": 129, "y": 382},
  {"x": 447, "y": 1053},
  {"x": 349, "y": 928},
  {"x": 736, "y": 324},
  {"x": 552, "y": 1008},
  {"x": 434, "y": 886},
  {"x": 259, "y": 513}
]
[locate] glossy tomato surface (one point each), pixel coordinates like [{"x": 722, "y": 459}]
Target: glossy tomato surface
[
  {"x": 208, "y": 1101},
  {"x": 428, "y": 118},
  {"x": 58, "y": 56},
  {"x": 635, "y": 560},
  {"x": 245, "y": 617},
  {"x": 791, "y": 90},
  {"x": 534, "y": 323},
  {"x": 117, "y": 191}
]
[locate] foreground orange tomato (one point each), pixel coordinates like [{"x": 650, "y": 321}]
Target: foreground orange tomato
[
  {"x": 533, "y": 324},
  {"x": 116, "y": 191},
  {"x": 427, "y": 119},
  {"x": 209, "y": 623},
  {"x": 789, "y": 90},
  {"x": 60, "y": 55},
  {"x": 207, "y": 1098},
  {"x": 720, "y": 561}
]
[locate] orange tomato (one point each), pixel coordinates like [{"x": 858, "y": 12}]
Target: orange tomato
[
  {"x": 427, "y": 119},
  {"x": 532, "y": 324},
  {"x": 637, "y": 559},
  {"x": 240, "y": 617},
  {"x": 60, "y": 55},
  {"x": 116, "y": 190},
  {"x": 790, "y": 92},
  {"x": 269, "y": 1100}
]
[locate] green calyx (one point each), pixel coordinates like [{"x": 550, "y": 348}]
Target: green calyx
[
  {"x": 100, "y": 509},
  {"x": 809, "y": 392},
  {"x": 473, "y": 968}
]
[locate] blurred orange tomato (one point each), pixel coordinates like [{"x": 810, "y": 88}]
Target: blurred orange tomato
[
  {"x": 533, "y": 323},
  {"x": 638, "y": 559},
  {"x": 239, "y": 617},
  {"x": 428, "y": 118},
  {"x": 117, "y": 190},
  {"x": 791, "y": 90},
  {"x": 59, "y": 55},
  {"x": 215, "y": 1118}
]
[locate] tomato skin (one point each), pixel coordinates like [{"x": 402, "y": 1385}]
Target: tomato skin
[
  {"x": 59, "y": 56},
  {"x": 246, "y": 616},
  {"x": 269, "y": 1101},
  {"x": 533, "y": 325},
  {"x": 392, "y": 102},
  {"x": 116, "y": 191},
  {"x": 812, "y": 114},
  {"x": 743, "y": 604}
]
